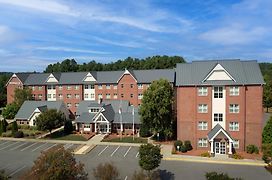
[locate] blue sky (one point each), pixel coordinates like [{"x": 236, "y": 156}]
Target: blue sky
[{"x": 35, "y": 33}]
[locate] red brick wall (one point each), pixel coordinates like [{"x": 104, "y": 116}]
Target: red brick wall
[
  {"x": 127, "y": 80},
  {"x": 14, "y": 83},
  {"x": 73, "y": 99},
  {"x": 36, "y": 92}
]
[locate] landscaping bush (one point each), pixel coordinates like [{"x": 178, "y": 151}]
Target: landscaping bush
[
  {"x": 251, "y": 148},
  {"x": 205, "y": 154},
  {"x": 9, "y": 127},
  {"x": 23, "y": 127},
  {"x": 178, "y": 143},
  {"x": 14, "y": 128},
  {"x": 4, "y": 134},
  {"x": 144, "y": 131},
  {"x": 68, "y": 127},
  {"x": 26, "y": 134},
  {"x": 269, "y": 168},
  {"x": 18, "y": 134},
  {"x": 267, "y": 153},
  {"x": 9, "y": 135},
  {"x": 188, "y": 145},
  {"x": 237, "y": 156},
  {"x": 219, "y": 176},
  {"x": 183, "y": 149},
  {"x": 31, "y": 134}
]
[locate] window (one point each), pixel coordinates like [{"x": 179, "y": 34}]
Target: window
[
  {"x": 202, "y": 91},
  {"x": 99, "y": 86},
  {"x": 93, "y": 110},
  {"x": 100, "y": 96},
  {"x": 131, "y": 85},
  {"x": 234, "y": 108},
  {"x": 33, "y": 96},
  {"x": 122, "y": 85},
  {"x": 140, "y": 96},
  {"x": 60, "y": 96},
  {"x": 218, "y": 117},
  {"x": 107, "y": 86},
  {"x": 140, "y": 86},
  {"x": 69, "y": 105},
  {"x": 76, "y": 105},
  {"x": 49, "y": 96},
  {"x": 202, "y": 125},
  {"x": 60, "y": 87},
  {"x": 114, "y": 86},
  {"x": 234, "y": 91},
  {"x": 114, "y": 96},
  {"x": 92, "y": 86},
  {"x": 77, "y": 96},
  {"x": 69, "y": 96},
  {"x": 40, "y": 87},
  {"x": 40, "y": 96},
  {"x": 49, "y": 87},
  {"x": 86, "y": 96},
  {"x": 107, "y": 96},
  {"x": 54, "y": 96},
  {"x": 131, "y": 95},
  {"x": 86, "y": 125},
  {"x": 234, "y": 126},
  {"x": 122, "y": 95},
  {"x": 202, "y": 108},
  {"x": 202, "y": 142},
  {"x": 236, "y": 144},
  {"x": 69, "y": 87},
  {"x": 33, "y": 88},
  {"x": 86, "y": 86},
  {"x": 92, "y": 95},
  {"x": 76, "y": 87},
  {"x": 218, "y": 92}
]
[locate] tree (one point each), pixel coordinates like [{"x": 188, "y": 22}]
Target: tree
[
  {"x": 21, "y": 95},
  {"x": 10, "y": 111},
  {"x": 267, "y": 93},
  {"x": 50, "y": 120},
  {"x": 4, "y": 77},
  {"x": 56, "y": 163},
  {"x": 141, "y": 175},
  {"x": 1, "y": 128},
  {"x": 267, "y": 132},
  {"x": 68, "y": 127},
  {"x": 14, "y": 128},
  {"x": 149, "y": 157},
  {"x": 156, "y": 109},
  {"x": 4, "y": 124},
  {"x": 106, "y": 171}
]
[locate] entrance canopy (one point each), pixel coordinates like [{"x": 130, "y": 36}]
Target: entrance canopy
[{"x": 218, "y": 130}]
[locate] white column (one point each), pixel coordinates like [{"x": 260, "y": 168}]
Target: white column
[
  {"x": 212, "y": 147},
  {"x": 108, "y": 127},
  {"x": 230, "y": 147},
  {"x": 95, "y": 127}
]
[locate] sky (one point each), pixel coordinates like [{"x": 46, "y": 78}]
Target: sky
[{"x": 35, "y": 33}]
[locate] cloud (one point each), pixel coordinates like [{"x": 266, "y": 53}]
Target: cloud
[
  {"x": 111, "y": 42},
  {"x": 54, "y": 48}
]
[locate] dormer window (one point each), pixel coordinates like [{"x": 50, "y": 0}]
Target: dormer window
[{"x": 94, "y": 110}]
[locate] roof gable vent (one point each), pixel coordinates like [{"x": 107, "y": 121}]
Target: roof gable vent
[{"x": 219, "y": 73}]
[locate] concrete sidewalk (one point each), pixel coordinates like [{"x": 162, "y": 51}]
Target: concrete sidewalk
[{"x": 167, "y": 155}]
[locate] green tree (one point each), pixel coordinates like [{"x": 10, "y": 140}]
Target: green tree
[
  {"x": 10, "y": 111},
  {"x": 5, "y": 124},
  {"x": 4, "y": 77},
  {"x": 267, "y": 132},
  {"x": 68, "y": 127},
  {"x": 21, "y": 95},
  {"x": 106, "y": 171},
  {"x": 56, "y": 163},
  {"x": 14, "y": 128},
  {"x": 267, "y": 92},
  {"x": 1, "y": 128},
  {"x": 156, "y": 109},
  {"x": 149, "y": 157},
  {"x": 267, "y": 153},
  {"x": 50, "y": 120},
  {"x": 141, "y": 175}
]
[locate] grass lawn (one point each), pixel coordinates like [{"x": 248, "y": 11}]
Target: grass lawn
[
  {"x": 59, "y": 135},
  {"x": 126, "y": 140}
]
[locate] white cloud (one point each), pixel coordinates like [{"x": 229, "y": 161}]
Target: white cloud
[
  {"x": 123, "y": 44},
  {"x": 54, "y": 48}
]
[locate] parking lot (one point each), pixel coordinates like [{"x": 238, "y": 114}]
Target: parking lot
[{"x": 18, "y": 156}]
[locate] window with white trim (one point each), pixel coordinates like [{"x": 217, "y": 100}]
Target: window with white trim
[
  {"x": 202, "y": 125},
  {"x": 93, "y": 110},
  {"x": 236, "y": 144},
  {"x": 33, "y": 96},
  {"x": 202, "y": 108},
  {"x": 100, "y": 96},
  {"x": 202, "y": 91},
  {"x": 49, "y": 96},
  {"x": 202, "y": 142},
  {"x": 86, "y": 86},
  {"x": 107, "y": 96},
  {"x": 60, "y": 96},
  {"x": 69, "y": 105},
  {"x": 107, "y": 86},
  {"x": 60, "y": 87},
  {"x": 218, "y": 92},
  {"x": 115, "y": 86},
  {"x": 86, "y": 96},
  {"x": 140, "y": 96},
  {"x": 77, "y": 96},
  {"x": 54, "y": 96},
  {"x": 234, "y": 126},
  {"x": 234, "y": 108},
  {"x": 40, "y": 96},
  {"x": 76, "y": 87},
  {"x": 234, "y": 91},
  {"x": 86, "y": 125},
  {"x": 69, "y": 96},
  {"x": 91, "y": 86},
  {"x": 76, "y": 105},
  {"x": 140, "y": 86},
  {"x": 115, "y": 96},
  {"x": 217, "y": 117},
  {"x": 40, "y": 88},
  {"x": 92, "y": 95},
  {"x": 69, "y": 87},
  {"x": 99, "y": 86},
  {"x": 33, "y": 88}
]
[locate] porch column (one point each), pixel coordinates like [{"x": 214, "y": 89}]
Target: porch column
[
  {"x": 212, "y": 147},
  {"x": 230, "y": 147},
  {"x": 95, "y": 127},
  {"x": 108, "y": 127}
]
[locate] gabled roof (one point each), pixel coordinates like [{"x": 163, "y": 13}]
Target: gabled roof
[
  {"x": 244, "y": 72},
  {"x": 127, "y": 72},
  {"x": 216, "y": 130}
]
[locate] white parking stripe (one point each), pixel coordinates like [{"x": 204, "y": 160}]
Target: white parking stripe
[
  {"x": 9, "y": 145},
  {"x": 5, "y": 143},
  {"x": 49, "y": 147},
  {"x": 103, "y": 150},
  {"x": 126, "y": 178},
  {"x": 39, "y": 147},
  {"x": 17, "y": 170},
  {"x": 18, "y": 146},
  {"x": 137, "y": 154},
  {"x": 127, "y": 151},
  {"x": 69, "y": 146},
  {"x": 29, "y": 146},
  {"x": 114, "y": 151}
]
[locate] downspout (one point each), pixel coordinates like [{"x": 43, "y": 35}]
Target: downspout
[{"x": 245, "y": 117}]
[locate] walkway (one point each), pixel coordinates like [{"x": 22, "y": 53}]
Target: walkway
[{"x": 46, "y": 134}]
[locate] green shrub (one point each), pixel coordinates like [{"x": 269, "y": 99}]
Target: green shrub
[
  {"x": 34, "y": 128},
  {"x": 26, "y": 134},
  {"x": 178, "y": 143},
  {"x": 188, "y": 145},
  {"x": 68, "y": 127},
  {"x": 267, "y": 153},
  {"x": 14, "y": 127},
  {"x": 144, "y": 131},
  {"x": 183, "y": 149},
  {"x": 219, "y": 176},
  {"x": 269, "y": 168},
  {"x": 206, "y": 154},
  {"x": 251, "y": 148},
  {"x": 174, "y": 151},
  {"x": 31, "y": 134},
  {"x": 4, "y": 134},
  {"x": 237, "y": 156},
  {"x": 9, "y": 127},
  {"x": 18, "y": 134},
  {"x": 9, "y": 135},
  {"x": 23, "y": 126}
]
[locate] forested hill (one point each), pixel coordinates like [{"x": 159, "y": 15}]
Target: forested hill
[{"x": 155, "y": 62}]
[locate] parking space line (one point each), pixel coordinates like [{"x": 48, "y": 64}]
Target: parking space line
[
  {"x": 29, "y": 146},
  {"x": 114, "y": 151},
  {"x": 49, "y": 147},
  {"x": 70, "y": 145},
  {"x": 103, "y": 150},
  {"x": 5, "y": 143},
  {"x": 9, "y": 145},
  {"x": 137, "y": 154},
  {"x": 18, "y": 146},
  {"x": 14, "y": 172},
  {"x": 38, "y": 147},
  {"x": 127, "y": 151},
  {"x": 126, "y": 178}
]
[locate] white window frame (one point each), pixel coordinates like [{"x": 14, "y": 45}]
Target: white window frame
[
  {"x": 202, "y": 91},
  {"x": 69, "y": 87},
  {"x": 76, "y": 105},
  {"x": 236, "y": 143},
  {"x": 76, "y": 87},
  {"x": 60, "y": 96},
  {"x": 202, "y": 142},
  {"x": 92, "y": 86},
  {"x": 33, "y": 88},
  {"x": 202, "y": 108},
  {"x": 86, "y": 96},
  {"x": 86, "y": 86},
  {"x": 49, "y": 96},
  {"x": 100, "y": 86},
  {"x": 234, "y": 108},
  {"x": 60, "y": 87},
  {"x": 115, "y": 86},
  {"x": 108, "y": 96},
  {"x": 69, "y": 105},
  {"x": 218, "y": 117},
  {"x": 40, "y": 88},
  {"x": 69, "y": 96},
  {"x": 140, "y": 96},
  {"x": 108, "y": 86},
  {"x": 115, "y": 96},
  {"x": 234, "y": 126},
  {"x": 77, "y": 96},
  {"x": 140, "y": 86},
  {"x": 92, "y": 95},
  {"x": 202, "y": 125},
  {"x": 218, "y": 92},
  {"x": 234, "y": 91},
  {"x": 40, "y": 96},
  {"x": 100, "y": 96}
]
